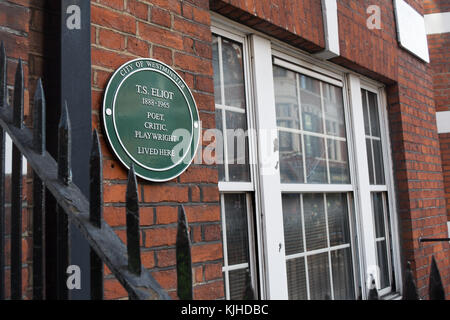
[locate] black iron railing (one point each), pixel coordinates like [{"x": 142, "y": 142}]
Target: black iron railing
[{"x": 54, "y": 176}]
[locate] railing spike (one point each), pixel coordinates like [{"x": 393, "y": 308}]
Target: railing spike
[
  {"x": 18, "y": 96},
  {"x": 64, "y": 147},
  {"x": 410, "y": 291},
  {"x": 39, "y": 119},
  {"x": 435, "y": 287},
  {"x": 183, "y": 256},
  {"x": 96, "y": 180},
  {"x": 3, "y": 73},
  {"x": 132, "y": 217}
]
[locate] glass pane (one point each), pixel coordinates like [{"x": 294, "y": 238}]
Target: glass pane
[
  {"x": 237, "y": 146},
  {"x": 341, "y": 266},
  {"x": 237, "y": 229},
  {"x": 219, "y": 146},
  {"x": 291, "y": 158},
  {"x": 315, "y": 224},
  {"x": 233, "y": 73},
  {"x": 296, "y": 276},
  {"x": 338, "y": 222},
  {"x": 370, "y": 160},
  {"x": 286, "y": 99},
  {"x": 378, "y": 158},
  {"x": 319, "y": 277},
  {"x": 378, "y": 210},
  {"x": 316, "y": 165},
  {"x": 217, "y": 89},
  {"x": 374, "y": 119},
  {"x": 334, "y": 110},
  {"x": 338, "y": 161},
  {"x": 311, "y": 104},
  {"x": 237, "y": 280},
  {"x": 383, "y": 264},
  {"x": 365, "y": 111},
  {"x": 292, "y": 220}
]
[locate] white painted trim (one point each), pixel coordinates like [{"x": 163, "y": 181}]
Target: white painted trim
[
  {"x": 362, "y": 172},
  {"x": 331, "y": 30},
  {"x": 236, "y": 187},
  {"x": 271, "y": 204},
  {"x": 316, "y": 188},
  {"x": 443, "y": 121},
  {"x": 436, "y": 23}
]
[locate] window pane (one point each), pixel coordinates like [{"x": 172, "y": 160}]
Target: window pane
[
  {"x": 291, "y": 158},
  {"x": 296, "y": 279},
  {"x": 233, "y": 73},
  {"x": 217, "y": 88},
  {"x": 365, "y": 112},
  {"x": 311, "y": 104},
  {"x": 237, "y": 228},
  {"x": 219, "y": 146},
  {"x": 338, "y": 161},
  {"x": 319, "y": 277},
  {"x": 378, "y": 158},
  {"x": 343, "y": 284},
  {"x": 383, "y": 263},
  {"x": 378, "y": 210},
  {"x": 315, "y": 223},
  {"x": 292, "y": 219},
  {"x": 334, "y": 110},
  {"x": 237, "y": 145},
  {"x": 373, "y": 110},
  {"x": 370, "y": 160},
  {"x": 237, "y": 279},
  {"x": 338, "y": 220},
  {"x": 286, "y": 98},
  {"x": 316, "y": 165}
]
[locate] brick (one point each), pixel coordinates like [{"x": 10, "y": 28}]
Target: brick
[
  {"x": 160, "y": 36},
  {"x": 193, "y": 63},
  {"x": 209, "y": 291},
  {"x": 112, "y": 19},
  {"x": 166, "y": 278},
  {"x": 160, "y": 237},
  {"x": 202, "y": 213},
  {"x": 138, "y": 47},
  {"x": 166, "y": 258},
  {"x": 161, "y": 17},
  {"x": 111, "y": 40},
  {"x": 206, "y": 252},
  {"x": 164, "y": 193},
  {"x": 163, "y": 54}
]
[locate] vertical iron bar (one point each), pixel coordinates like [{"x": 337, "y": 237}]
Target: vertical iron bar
[
  {"x": 16, "y": 191},
  {"x": 2, "y": 171},
  {"x": 38, "y": 194},
  {"x": 183, "y": 256},
  {"x": 65, "y": 176},
  {"x": 132, "y": 216},
  {"x": 95, "y": 214}
]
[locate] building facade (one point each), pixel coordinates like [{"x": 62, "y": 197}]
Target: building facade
[{"x": 324, "y": 155}]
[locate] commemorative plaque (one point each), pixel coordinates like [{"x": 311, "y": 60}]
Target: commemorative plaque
[{"x": 151, "y": 119}]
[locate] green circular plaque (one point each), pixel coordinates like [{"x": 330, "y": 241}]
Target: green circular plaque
[{"x": 151, "y": 119}]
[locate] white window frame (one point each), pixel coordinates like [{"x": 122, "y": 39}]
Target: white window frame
[
  {"x": 263, "y": 50},
  {"x": 254, "y": 231}
]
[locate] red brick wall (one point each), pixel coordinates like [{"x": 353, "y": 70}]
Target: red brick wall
[
  {"x": 440, "y": 67},
  {"x": 178, "y": 33}
]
